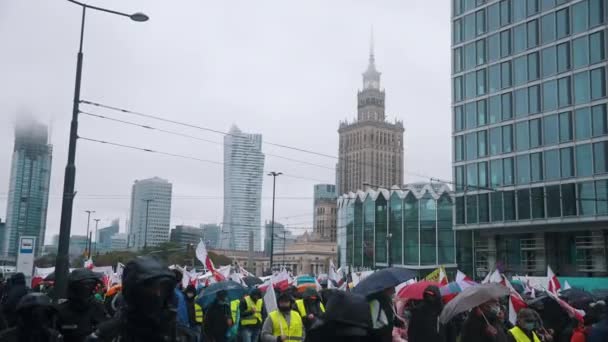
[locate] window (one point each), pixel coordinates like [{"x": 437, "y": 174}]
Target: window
[
  {"x": 505, "y": 43},
  {"x": 598, "y": 83},
  {"x": 536, "y": 167},
  {"x": 533, "y": 99},
  {"x": 521, "y": 101},
  {"x": 470, "y": 147},
  {"x": 507, "y": 171},
  {"x": 457, "y": 7},
  {"x": 470, "y": 56},
  {"x": 582, "y": 117},
  {"x": 493, "y": 47},
  {"x": 599, "y": 157},
  {"x": 458, "y": 119},
  {"x": 569, "y": 199},
  {"x": 567, "y": 165},
  {"x": 505, "y": 12},
  {"x": 596, "y": 47},
  {"x": 458, "y": 148},
  {"x": 579, "y": 17},
  {"x": 482, "y": 144},
  {"x": 470, "y": 85},
  {"x": 522, "y": 136},
  {"x": 523, "y": 169},
  {"x": 563, "y": 57},
  {"x": 496, "y": 172},
  {"x": 469, "y": 5},
  {"x": 596, "y": 12},
  {"x": 584, "y": 160},
  {"x": 551, "y": 129},
  {"x": 481, "y": 82},
  {"x": 547, "y": 28},
  {"x": 565, "y": 127},
  {"x": 519, "y": 38},
  {"x": 496, "y": 205},
  {"x": 538, "y": 203},
  {"x": 586, "y": 199},
  {"x": 494, "y": 109},
  {"x": 459, "y": 178},
  {"x": 547, "y": 4},
  {"x": 535, "y": 133},
  {"x": 481, "y": 51},
  {"x": 495, "y": 141},
  {"x": 458, "y": 89},
  {"x": 532, "y": 7},
  {"x": 469, "y": 27},
  {"x": 457, "y": 60},
  {"x": 580, "y": 52},
  {"x": 599, "y": 120},
  {"x": 480, "y": 22},
  {"x": 533, "y": 66},
  {"x": 481, "y": 113},
  {"x": 520, "y": 70},
  {"x": 553, "y": 201},
  {"x": 563, "y": 89},
  {"x": 459, "y": 210},
  {"x": 457, "y": 31},
  {"x": 562, "y": 22},
  {"x": 532, "y": 34},
  {"x": 519, "y": 10},
  {"x": 523, "y": 204},
  {"x": 509, "y": 203},
  {"x": 549, "y": 95},
  {"x": 470, "y": 115},
  {"x": 601, "y": 193},
  {"x": 506, "y": 106},
  {"x": 484, "y": 210},
  {"x": 494, "y": 78},
  {"x": 493, "y": 17},
  {"x": 507, "y": 140},
  {"x": 471, "y": 209},
  {"x": 482, "y": 171},
  {"x": 549, "y": 61},
  {"x": 581, "y": 87},
  {"x": 552, "y": 165}
]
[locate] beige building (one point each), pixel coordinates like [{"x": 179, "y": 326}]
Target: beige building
[{"x": 371, "y": 148}]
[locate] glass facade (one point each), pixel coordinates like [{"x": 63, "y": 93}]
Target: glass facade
[
  {"x": 408, "y": 227},
  {"x": 547, "y": 131}
]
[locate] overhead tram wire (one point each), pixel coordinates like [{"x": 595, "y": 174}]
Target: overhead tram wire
[
  {"x": 190, "y": 125},
  {"x": 181, "y": 156}
]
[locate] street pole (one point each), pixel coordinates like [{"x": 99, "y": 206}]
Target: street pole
[
  {"x": 87, "y": 246},
  {"x": 96, "y": 238},
  {"x": 62, "y": 263},
  {"x": 146, "y": 229},
  {"x": 274, "y": 183},
  {"x": 284, "y": 243}
]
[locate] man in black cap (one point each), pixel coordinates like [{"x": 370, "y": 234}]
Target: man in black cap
[
  {"x": 218, "y": 318},
  {"x": 283, "y": 324},
  {"x": 252, "y": 316},
  {"x": 80, "y": 315},
  {"x": 148, "y": 311},
  {"x": 35, "y": 317}
]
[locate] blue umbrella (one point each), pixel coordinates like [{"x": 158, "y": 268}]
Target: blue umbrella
[
  {"x": 234, "y": 290},
  {"x": 383, "y": 279}
]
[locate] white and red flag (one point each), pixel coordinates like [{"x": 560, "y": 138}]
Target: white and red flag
[
  {"x": 553, "y": 283},
  {"x": 201, "y": 254}
]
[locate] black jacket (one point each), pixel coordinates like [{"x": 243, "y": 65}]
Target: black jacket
[{"x": 15, "y": 291}]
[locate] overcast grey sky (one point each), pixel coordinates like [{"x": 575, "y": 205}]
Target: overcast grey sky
[{"x": 289, "y": 70}]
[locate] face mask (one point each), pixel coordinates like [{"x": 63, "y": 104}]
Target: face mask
[
  {"x": 285, "y": 308},
  {"x": 529, "y": 326},
  {"x": 495, "y": 310}
]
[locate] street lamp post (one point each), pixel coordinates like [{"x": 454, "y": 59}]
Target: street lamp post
[
  {"x": 96, "y": 238},
  {"x": 87, "y": 247},
  {"x": 62, "y": 263},
  {"x": 274, "y": 183}
]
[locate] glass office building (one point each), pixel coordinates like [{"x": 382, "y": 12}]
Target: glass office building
[
  {"x": 530, "y": 134},
  {"x": 404, "y": 227}
]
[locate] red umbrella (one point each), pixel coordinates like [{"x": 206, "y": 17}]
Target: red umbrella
[{"x": 416, "y": 290}]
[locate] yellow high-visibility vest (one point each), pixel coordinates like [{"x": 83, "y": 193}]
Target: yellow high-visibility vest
[
  {"x": 294, "y": 331},
  {"x": 302, "y": 308},
  {"x": 234, "y": 309},
  {"x": 198, "y": 313},
  {"x": 256, "y": 318},
  {"x": 520, "y": 335}
]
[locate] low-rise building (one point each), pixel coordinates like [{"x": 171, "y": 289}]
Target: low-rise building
[
  {"x": 185, "y": 235},
  {"x": 119, "y": 242},
  {"x": 78, "y": 245},
  {"x": 211, "y": 235}
]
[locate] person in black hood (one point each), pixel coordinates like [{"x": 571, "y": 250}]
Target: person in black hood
[
  {"x": 16, "y": 289},
  {"x": 347, "y": 319},
  {"x": 382, "y": 315},
  {"x": 148, "y": 311},
  {"x": 80, "y": 315},
  {"x": 423, "y": 323},
  {"x": 35, "y": 321}
]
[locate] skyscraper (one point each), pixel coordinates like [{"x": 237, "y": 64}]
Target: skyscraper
[
  {"x": 243, "y": 175},
  {"x": 325, "y": 211},
  {"x": 28, "y": 193},
  {"x": 530, "y": 135},
  {"x": 371, "y": 148},
  {"x": 150, "y": 212},
  {"x": 103, "y": 240}
]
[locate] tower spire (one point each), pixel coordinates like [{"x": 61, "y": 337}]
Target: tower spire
[{"x": 371, "y": 45}]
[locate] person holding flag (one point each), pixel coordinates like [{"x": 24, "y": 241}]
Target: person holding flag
[{"x": 252, "y": 316}]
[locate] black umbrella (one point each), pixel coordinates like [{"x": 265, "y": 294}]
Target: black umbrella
[
  {"x": 382, "y": 280},
  {"x": 252, "y": 281},
  {"x": 50, "y": 277},
  {"x": 580, "y": 299}
]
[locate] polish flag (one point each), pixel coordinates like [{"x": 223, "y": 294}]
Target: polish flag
[
  {"x": 496, "y": 278},
  {"x": 579, "y": 315},
  {"x": 443, "y": 278},
  {"x": 554, "y": 286},
  {"x": 202, "y": 256},
  {"x": 89, "y": 264},
  {"x": 464, "y": 281},
  {"x": 516, "y": 302},
  {"x": 280, "y": 280}
]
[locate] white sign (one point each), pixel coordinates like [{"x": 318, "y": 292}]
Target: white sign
[{"x": 25, "y": 256}]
